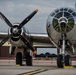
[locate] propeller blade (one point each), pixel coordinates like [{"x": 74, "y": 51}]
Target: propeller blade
[
  {"x": 4, "y": 40},
  {"x": 28, "y": 18},
  {"x": 25, "y": 41},
  {"x": 5, "y": 19}
]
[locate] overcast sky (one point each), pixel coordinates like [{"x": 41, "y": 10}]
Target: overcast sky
[{"x": 17, "y": 10}]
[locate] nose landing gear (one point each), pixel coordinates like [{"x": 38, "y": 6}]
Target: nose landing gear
[{"x": 62, "y": 58}]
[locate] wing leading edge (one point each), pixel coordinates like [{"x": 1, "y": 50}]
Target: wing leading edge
[{"x": 40, "y": 40}]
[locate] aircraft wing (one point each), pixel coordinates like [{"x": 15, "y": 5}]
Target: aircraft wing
[
  {"x": 40, "y": 40},
  {"x": 3, "y": 35}
]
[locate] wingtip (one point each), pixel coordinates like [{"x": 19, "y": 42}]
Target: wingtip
[{"x": 36, "y": 10}]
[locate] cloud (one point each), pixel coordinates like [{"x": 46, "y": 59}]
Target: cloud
[
  {"x": 16, "y": 11},
  {"x": 10, "y": 6}
]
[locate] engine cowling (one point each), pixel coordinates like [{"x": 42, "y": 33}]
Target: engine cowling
[{"x": 16, "y": 32}]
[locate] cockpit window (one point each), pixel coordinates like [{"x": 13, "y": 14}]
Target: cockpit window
[
  {"x": 71, "y": 22},
  {"x": 58, "y": 15},
  {"x": 55, "y": 22},
  {"x": 55, "y": 25},
  {"x": 56, "y": 11},
  {"x": 61, "y": 9},
  {"x": 65, "y": 9},
  {"x": 70, "y": 11},
  {"x": 67, "y": 15},
  {"x": 74, "y": 14},
  {"x": 52, "y": 14}
]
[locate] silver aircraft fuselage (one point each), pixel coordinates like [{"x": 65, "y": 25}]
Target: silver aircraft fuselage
[{"x": 62, "y": 20}]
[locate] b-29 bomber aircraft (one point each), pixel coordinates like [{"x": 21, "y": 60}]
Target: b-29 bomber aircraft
[{"x": 61, "y": 30}]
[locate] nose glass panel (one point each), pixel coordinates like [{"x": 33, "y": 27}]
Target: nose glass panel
[{"x": 63, "y": 20}]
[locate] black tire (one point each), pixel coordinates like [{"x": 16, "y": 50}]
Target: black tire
[
  {"x": 68, "y": 61},
  {"x": 60, "y": 61},
  {"x": 19, "y": 58},
  {"x": 28, "y": 59}
]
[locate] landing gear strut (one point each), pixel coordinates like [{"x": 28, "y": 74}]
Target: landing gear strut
[{"x": 62, "y": 59}]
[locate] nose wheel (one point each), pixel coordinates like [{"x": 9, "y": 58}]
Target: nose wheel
[
  {"x": 60, "y": 61},
  {"x": 68, "y": 61},
  {"x": 63, "y": 61}
]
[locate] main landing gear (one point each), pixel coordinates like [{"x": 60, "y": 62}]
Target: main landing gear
[
  {"x": 62, "y": 58},
  {"x": 19, "y": 59},
  {"x": 28, "y": 58}
]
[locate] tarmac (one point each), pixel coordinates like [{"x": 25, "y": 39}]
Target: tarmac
[{"x": 40, "y": 67}]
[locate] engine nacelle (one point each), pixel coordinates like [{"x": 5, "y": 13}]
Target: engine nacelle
[{"x": 15, "y": 39}]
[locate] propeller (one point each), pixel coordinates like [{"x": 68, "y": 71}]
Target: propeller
[
  {"x": 26, "y": 42},
  {"x": 28, "y": 18},
  {"x": 5, "y": 19},
  {"x": 5, "y": 39},
  {"x": 16, "y": 29}
]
